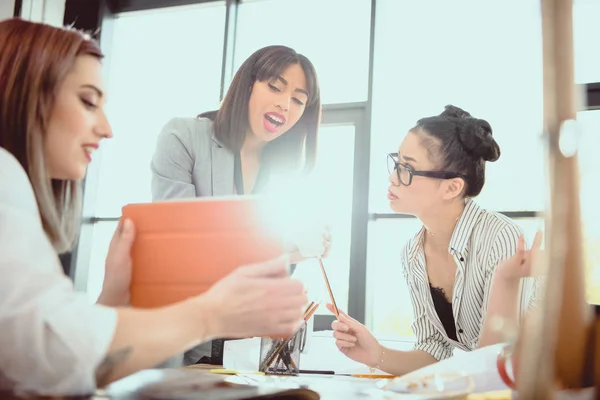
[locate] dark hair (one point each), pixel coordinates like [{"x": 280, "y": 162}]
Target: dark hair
[
  {"x": 458, "y": 142},
  {"x": 35, "y": 59},
  {"x": 231, "y": 120}
]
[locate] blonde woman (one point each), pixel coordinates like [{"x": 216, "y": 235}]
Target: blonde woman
[{"x": 53, "y": 342}]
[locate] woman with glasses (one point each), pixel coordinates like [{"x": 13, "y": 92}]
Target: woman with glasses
[{"x": 465, "y": 264}]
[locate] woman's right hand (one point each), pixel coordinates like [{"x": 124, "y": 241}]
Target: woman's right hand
[
  {"x": 256, "y": 300},
  {"x": 354, "y": 340}
]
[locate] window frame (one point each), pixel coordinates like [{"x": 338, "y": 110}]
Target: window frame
[{"x": 359, "y": 113}]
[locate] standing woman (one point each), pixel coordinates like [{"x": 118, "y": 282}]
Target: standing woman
[
  {"x": 52, "y": 340},
  {"x": 266, "y": 125},
  {"x": 465, "y": 264}
]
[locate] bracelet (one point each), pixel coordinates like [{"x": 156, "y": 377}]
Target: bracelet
[{"x": 378, "y": 365}]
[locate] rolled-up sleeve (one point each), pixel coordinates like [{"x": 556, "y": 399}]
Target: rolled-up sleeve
[
  {"x": 51, "y": 338},
  {"x": 430, "y": 340}
]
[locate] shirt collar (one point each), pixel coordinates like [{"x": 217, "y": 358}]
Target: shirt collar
[
  {"x": 464, "y": 226},
  {"x": 461, "y": 234}
]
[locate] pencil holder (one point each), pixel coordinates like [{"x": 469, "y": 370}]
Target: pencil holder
[{"x": 282, "y": 356}]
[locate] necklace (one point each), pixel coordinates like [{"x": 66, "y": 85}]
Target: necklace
[{"x": 432, "y": 234}]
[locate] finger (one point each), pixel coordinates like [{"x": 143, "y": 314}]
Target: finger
[
  {"x": 277, "y": 267},
  {"x": 342, "y": 317},
  {"x": 344, "y": 344},
  {"x": 330, "y": 308},
  {"x": 285, "y": 329},
  {"x": 339, "y": 326},
  {"x": 534, "y": 253},
  {"x": 117, "y": 232},
  {"x": 346, "y": 316},
  {"x": 128, "y": 231},
  {"x": 539, "y": 268},
  {"x": 521, "y": 245},
  {"x": 537, "y": 241},
  {"x": 345, "y": 337},
  {"x": 286, "y": 317},
  {"x": 275, "y": 296},
  {"x": 326, "y": 249},
  {"x": 287, "y": 302}
]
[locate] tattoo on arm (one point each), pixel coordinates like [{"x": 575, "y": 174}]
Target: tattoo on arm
[{"x": 108, "y": 365}]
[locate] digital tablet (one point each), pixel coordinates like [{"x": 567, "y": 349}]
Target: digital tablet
[{"x": 183, "y": 247}]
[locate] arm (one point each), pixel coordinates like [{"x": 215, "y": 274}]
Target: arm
[
  {"x": 501, "y": 304},
  {"x": 53, "y": 340},
  {"x": 429, "y": 349},
  {"x": 144, "y": 338},
  {"x": 173, "y": 162},
  {"x": 507, "y": 295},
  {"x": 356, "y": 342}
]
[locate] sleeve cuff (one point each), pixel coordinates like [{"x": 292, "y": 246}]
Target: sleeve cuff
[
  {"x": 88, "y": 336},
  {"x": 438, "y": 350}
]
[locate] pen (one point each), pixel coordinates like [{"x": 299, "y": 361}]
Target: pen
[
  {"x": 372, "y": 376},
  {"x": 335, "y": 309},
  {"x": 310, "y": 371}
]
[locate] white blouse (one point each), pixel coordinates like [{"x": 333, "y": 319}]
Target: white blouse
[
  {"x": 480, "y": 240},
  {"x": 51, "y": 338}
]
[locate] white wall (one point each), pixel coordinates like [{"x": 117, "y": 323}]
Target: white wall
[{"x": 7, "y": 7}]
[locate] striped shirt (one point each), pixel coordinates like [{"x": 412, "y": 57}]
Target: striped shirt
[{"x": 480, "y": 240}]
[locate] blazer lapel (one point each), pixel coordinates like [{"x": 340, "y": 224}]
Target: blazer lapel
[{"x": 222, "y": 170}]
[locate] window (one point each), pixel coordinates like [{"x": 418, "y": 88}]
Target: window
[
  {"x": 334, "y": 207},
  {"x": 589, "y": 163},
  {"x": 586, "y": 31},
  {"x": 338, "y": 47},
  {"x": 174, "y": 73},
  {"x": 159, "y": 64},
  {"x": 587, "y": 70},
  {"x": 431, "y": 53},
  {"x": 102, "y": 233}
]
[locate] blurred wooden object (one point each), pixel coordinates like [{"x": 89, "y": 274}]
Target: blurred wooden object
[{"x": 552, "y": 344}]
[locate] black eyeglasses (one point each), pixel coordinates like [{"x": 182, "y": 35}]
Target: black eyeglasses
[{"x": 405, "y": 172}]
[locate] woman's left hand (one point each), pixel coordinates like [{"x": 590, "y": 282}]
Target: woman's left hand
[
  {"x": 117, "y": 273},
  {"x": 522, "y": 264},
  {"x": 313, "y": 242}
]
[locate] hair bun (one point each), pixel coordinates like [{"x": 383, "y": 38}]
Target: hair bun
[
  {"x": 476, "y": 136},
  {"x": 454, "y": 112}
]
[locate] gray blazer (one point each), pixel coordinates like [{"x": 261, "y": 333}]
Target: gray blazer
[{"x": 189, "y": 162}]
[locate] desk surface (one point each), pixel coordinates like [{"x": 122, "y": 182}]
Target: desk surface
[{"x": 187, "y": 383}]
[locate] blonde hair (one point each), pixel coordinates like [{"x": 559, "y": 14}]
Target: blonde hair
[{"x": 35, "y": 60}]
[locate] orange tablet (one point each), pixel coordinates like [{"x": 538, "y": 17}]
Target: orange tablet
[{"x": 183, "y": 247}]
